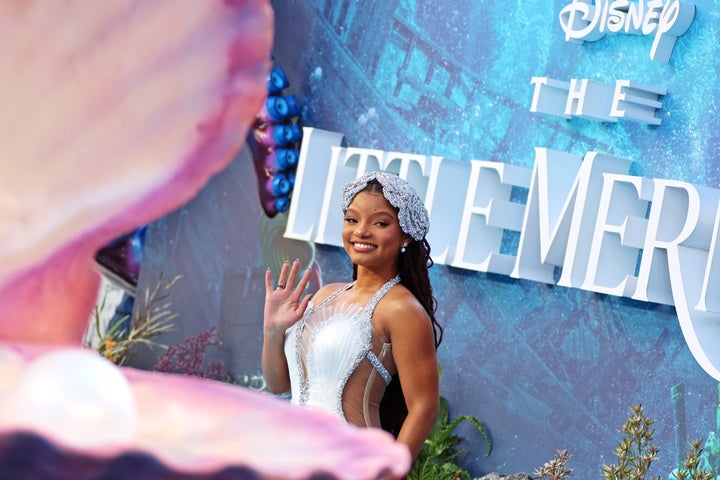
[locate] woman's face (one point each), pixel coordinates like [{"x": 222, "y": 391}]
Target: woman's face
[{"x": 371, "y": 232}]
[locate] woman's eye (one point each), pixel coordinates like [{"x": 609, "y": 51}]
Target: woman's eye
[
  {"x": 382, "y": 224},
  {"x": 350, "y": 220}
]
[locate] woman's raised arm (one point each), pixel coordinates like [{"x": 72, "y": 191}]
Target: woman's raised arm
[{"x": 284, "y": 306}]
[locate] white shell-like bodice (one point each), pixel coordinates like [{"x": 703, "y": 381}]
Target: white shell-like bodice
[{"x": 324, "y": 348}]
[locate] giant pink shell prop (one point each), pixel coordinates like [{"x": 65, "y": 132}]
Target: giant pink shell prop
[
  {"x": 113, "y": 114},
  {"x": 198, "y": 427}
]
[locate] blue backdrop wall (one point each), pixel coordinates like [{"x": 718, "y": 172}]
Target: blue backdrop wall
[{"x": 542, "y": 366}]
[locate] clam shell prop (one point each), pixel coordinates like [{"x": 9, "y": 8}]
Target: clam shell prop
[
  {"x": 193, "y": 428},
  {"x": 113, "y": 114}
]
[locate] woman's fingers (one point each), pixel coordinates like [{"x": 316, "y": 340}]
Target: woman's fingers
[
  {"x": 268, "y": 280},
  {"x": 291, "y": 278},
  {"x": 304, "y": 280},
  {"x": 287, "y": 278},
  {"x": 304, "y": 303},
  {"x": 293, "y": 273},
  {"x": 283, "y": 278}
]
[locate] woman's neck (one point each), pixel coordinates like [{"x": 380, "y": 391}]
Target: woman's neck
[{"x": 372, "y": 279}]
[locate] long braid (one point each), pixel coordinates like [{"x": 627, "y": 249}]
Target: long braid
[{"x": 413, "y": 270}]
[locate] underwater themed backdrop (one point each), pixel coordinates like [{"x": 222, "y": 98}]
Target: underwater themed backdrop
[{"x": 541, "y": 365}]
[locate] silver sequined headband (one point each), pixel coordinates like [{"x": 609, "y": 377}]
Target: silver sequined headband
[{"x": 412, "y": 214}]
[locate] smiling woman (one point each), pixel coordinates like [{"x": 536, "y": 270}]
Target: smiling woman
[
  {"x": 372, "y": 234},
  {"x": 364, "y": 350}
]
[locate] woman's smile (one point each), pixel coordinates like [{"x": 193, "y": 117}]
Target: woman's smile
[{"x": 363, "y": 247}]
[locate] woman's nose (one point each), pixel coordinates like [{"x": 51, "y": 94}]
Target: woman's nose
[{"x": 361, "y": 231}]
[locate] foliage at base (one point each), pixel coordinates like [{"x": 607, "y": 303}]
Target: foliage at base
[
  {"x": 692, "y": 468},
  {"x": 118, "y": 338},
  {"x": 438, "y": 458},
  {"x": 556, "y": 469},
  {"x": 635, "y": 453}
]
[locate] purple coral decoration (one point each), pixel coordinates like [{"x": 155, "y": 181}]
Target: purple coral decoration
[{"x": 188, "y": 358}]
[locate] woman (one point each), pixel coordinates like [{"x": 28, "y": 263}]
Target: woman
[{"x": 372, "y": 341}]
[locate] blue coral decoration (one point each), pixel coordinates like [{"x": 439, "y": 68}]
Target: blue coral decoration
[{"x": 274, "y": 142}]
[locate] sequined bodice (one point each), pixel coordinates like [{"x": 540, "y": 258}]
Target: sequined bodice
[{"x": 325, "y": 348}]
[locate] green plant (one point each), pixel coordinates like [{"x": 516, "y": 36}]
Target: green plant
[
  {"x": 117, "y": 339},
  {"x": 556, "y": 469},
  {"x": 692, "y": 469},
  {"x": 710, "y": 457},
  {"x": 635, "y": 452},
  {"x": 437, "y": 458}
]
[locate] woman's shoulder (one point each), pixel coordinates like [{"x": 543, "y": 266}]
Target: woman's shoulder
[
  {"x": 400, "y": 315},
  {"x": 399, "y": 302}
]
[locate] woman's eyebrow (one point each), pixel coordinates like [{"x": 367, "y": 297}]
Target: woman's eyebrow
[{"x": 386, "y": 213}]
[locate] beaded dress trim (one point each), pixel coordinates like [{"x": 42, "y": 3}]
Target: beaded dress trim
[{"x": 325, "y": 347}]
